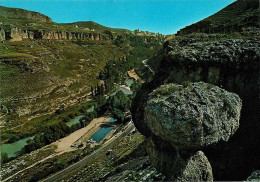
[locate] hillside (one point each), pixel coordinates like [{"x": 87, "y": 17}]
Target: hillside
[
  {"x": 233, "y": 18},
  {"x": 45, "y": 65},
  {"x": 21, "y": 14}
]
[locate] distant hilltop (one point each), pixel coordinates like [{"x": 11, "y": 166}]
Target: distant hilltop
[
  {"x": 238, "y": 15},
  {"x": 17, "y": 13}
]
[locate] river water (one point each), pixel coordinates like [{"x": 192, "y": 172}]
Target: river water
[
  {"x": 74, "y": 120},
  {"x": 12, "y": 149}
]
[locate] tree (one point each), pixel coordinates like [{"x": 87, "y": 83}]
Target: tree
[
  {"x": 119, "y": 101},
  {"x": 119, "y": 115},
  {"x": 4, "y": 157},
  {"x": 14, "y": 139}
]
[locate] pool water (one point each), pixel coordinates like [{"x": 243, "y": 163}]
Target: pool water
[{"x": 101, "y": 133}]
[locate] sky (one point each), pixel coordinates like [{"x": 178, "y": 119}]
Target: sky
[{"x": 163, "y": 16}]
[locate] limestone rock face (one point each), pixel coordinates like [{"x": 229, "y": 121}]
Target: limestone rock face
[
  {"x": 195, "y": 167},
  {"x": 193, "y": 116},
  {"x": 2, "y": 34},
  {"x": 15, "y": 34}
]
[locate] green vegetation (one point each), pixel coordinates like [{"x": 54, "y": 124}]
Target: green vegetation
[
  {"x": 108, "y": 162},
  {"x": 25, "y": 77},
  {"x": 118, "y": 105},
  {"x": 50, "y": 166},
  {"x": 37, "y": 125},
  {"x": 4, "y": 158},
  {"x": 49, "y": 135}
]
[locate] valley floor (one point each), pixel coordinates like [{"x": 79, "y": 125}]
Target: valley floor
[{"x": 76, "y": 141}]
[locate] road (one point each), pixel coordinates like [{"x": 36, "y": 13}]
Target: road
[
  {"x": 82, "y": 162},
  {"x": 146, "y": 65}
]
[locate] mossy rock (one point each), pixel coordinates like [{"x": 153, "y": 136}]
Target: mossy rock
[{"x": 192, "y": 116}]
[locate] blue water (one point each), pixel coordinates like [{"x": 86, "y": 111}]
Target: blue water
[
  {"x": 101, "y": 133},
  {"x": 112, "y": 120},
  {"x": 12, "y": 149},
  {"x": 74, "y": 120}
]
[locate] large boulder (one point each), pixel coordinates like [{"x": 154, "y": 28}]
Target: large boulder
[{"x": 192, "y": 116}]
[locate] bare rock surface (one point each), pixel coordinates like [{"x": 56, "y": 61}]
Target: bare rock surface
[
  {"x": 193, "y": 116},
  {"x": 177, "y": 167}
]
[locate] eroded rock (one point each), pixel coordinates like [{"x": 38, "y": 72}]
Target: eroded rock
[
  {"x": 193, "y": 116},
  {"x": 178, "y": 167}
]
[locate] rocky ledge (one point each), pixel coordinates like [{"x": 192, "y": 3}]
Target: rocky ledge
[{"x": 12, "y": 33}]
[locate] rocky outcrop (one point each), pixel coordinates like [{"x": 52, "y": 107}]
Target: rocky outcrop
[
  {"x": 222, "y": 50},
  {"x": 192, "y": 117},
  {"x": 229, "y": 62},
  {"x": 2, "y": 34},
  {"x": 15, "y": 34},
  {"x": 185, "y": 119}
]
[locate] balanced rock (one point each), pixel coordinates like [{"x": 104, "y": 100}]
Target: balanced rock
[{"x": 192, "y": 116}]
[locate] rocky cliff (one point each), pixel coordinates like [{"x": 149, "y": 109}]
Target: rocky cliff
[
  {"x": 15, "y": 34},
  {"x": 230, "y": 61}
]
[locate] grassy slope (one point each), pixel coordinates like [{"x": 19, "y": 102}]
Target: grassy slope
[
  {"x": 39, "y": 75},
  {"x": 49, "y": 71},
  {"x": 241, "y": 13},
  {"x": 236, "y": 13}
]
